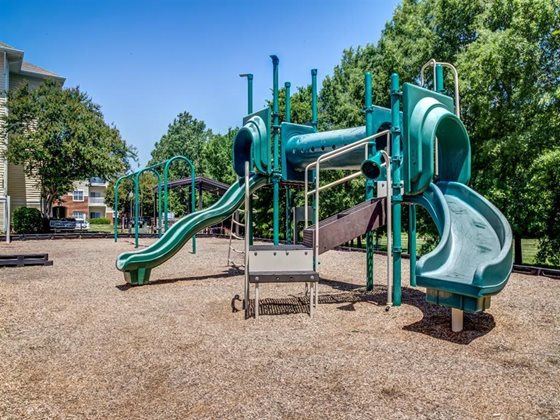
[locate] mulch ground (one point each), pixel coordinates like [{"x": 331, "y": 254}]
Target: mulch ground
[{"x": 76, "y": 341}]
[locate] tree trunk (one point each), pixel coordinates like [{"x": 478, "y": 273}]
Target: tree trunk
[
  {"x": 359, "y": 239},
  {"x": 518, "y": 252}
]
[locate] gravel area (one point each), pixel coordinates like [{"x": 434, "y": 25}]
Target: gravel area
[{"x": 75, "y": 341}]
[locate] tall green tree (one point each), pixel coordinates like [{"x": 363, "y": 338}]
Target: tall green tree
[
  {"x": 59, "y": 136},
  {"x": 508, "y": 56}
]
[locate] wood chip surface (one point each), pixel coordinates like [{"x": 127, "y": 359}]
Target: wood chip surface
[{"x": 76, "y": 341}]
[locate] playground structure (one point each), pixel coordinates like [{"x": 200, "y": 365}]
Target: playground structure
[
  {"x": 418, "y": 156},
  {"x": 162, "y": 183}
]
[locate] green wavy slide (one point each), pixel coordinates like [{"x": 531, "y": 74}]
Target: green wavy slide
[
  {"x": 474, "y": 257},
  {"x": 137, "y": 265}
]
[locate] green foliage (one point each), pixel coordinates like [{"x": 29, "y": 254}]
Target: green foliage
[
  {"x": 126, "y": 193},
  {"x": 99, "y": 221},
  {"x": 508, "y": 57},
  {"x": 27, "y": 220},
  {"x": 59, "y": 136}
]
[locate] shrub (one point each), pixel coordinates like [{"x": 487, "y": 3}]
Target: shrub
[
  {"x": 27, "y": 220},
  {"x": 100, "y": 221}
]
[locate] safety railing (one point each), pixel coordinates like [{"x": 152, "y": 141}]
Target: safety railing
[
  {"x": 365, "y": 142},
  {"x": 434, "y": 63}
]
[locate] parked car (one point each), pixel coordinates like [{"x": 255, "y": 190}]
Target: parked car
[{"x": 82, "y": 224}]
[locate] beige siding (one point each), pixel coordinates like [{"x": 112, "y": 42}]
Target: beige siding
[
  {"x": 17, "y": 79},
  {"x": 4, "y": 73}
]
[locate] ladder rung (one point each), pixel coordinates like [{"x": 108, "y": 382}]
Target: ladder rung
[
  {"x": 237, "y": 250},
  {"x": 239, "y": 238},
  {"x": 237, "y": 223}
]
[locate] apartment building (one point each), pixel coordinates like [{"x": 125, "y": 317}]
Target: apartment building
[
  {"x": 23, "y": 190},
  {"x": 85, "y": 201}
]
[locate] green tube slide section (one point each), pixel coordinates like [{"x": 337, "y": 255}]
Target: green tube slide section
[
  {"x": 137, "y": 265},
  {"x": 474, "y": 257}
]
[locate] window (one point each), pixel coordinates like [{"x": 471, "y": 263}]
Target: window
[
  {"x": 79, "y": 215},
  {"x": 94, "y": 215},
  {"x": 94, "y": 194},
  {"x": 78, "y": 195}
]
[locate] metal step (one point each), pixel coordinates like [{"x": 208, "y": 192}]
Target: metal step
[
  {"x": 280, "y": 259},
  {"x": 285, "y": 277},
  {"x": 347, "y": 225}
]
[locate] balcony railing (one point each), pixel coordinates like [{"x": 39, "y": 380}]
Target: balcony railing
[
  {"x": 92, "y": 201},
  {"x": 97, "y": 181}
]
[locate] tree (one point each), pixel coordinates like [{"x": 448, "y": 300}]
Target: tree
[
  {"x": 126, "y": 193},
  {"x": 185, "y": 136},
  {"x": 508, "y": 57},
  {"x": 59, "y": 136}
]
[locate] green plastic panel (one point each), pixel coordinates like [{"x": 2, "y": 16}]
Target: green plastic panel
[
  {"x": 427, "y": 115},
  {"x": 137, "y": 265},
  {"x": 465, "y": 303},
  {"x": 474, "y": 256},
  {"x": 252, "y": 143}
]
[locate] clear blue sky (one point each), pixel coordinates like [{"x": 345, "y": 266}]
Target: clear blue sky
[{"x": 146, "y": 61}]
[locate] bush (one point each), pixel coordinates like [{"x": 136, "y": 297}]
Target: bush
[
  {"x": 27, "y": 220},
  {"x": 100, "y": 221}
]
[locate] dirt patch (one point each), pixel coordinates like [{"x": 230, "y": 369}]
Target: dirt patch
[{"x": 76, "y": 341}]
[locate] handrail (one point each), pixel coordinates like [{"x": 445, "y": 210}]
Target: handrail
[
  {"x": 330, "y": 155},
  {"x": 434, "y": 63}
]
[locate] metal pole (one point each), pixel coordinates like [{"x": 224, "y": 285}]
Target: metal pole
[
  {"x": 275, "y": 179},
  {"x": 287, "y": 118},
  {"x": 369, "y": 182},
  {"x": 165, "y": 200},
  {"x": 159, "y": 208},
  {"x": 136, "y": 207},
  {"x": 249, "y": 77},
  {"x": 193, "y": 202},
  {"x": 314, "y": 123},
  {"x": 314, "y": 98},
  {"x": 247, "y": 224},
  {"x": 396, "y": 185},
  {"x": 389, "y": 231},
  {"x": 8, "y": 219}
]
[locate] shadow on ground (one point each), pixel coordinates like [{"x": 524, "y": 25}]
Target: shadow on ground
[
  {"x": 435, "y": 322},
  {"x": 159, "y": 282}
]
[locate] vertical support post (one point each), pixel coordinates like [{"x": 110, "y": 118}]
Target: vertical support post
[
  {"x": 159, "y": 208},
  {"x": 396, "y": 197},
  {"x": 314, "y": 98},
  {"x": 165, "y": 200},
  {"x": 439, "y": 79},
  {"x": 248, "y": 222},
  {"x": 314, "y": 123},
  {"x": 193, "y": 203},
  {"x": 136, "y": 207},
  {"x": 275, "y": 179},
  {"x": 456, "y": 320},
  {"x": 249, "y": 76},
  {"x": 412, "y": 242},
  {"x": 116, "y": 210},
  {"x": 287, "y": 118},
  {"x": 8, "y": 219},
  {"x": 369, "y": 182}
]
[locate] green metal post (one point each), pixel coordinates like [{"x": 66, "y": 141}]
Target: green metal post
[
  {"x": 370, "y": 184},
  {"x": 396, "y": 196},
  {"x": 166, "y": 166},
  {"x": 116, "y": 206},
  {"x": 314, "y": 123},
  {"x": 249, "y": 77},
  {"x": 136, "y": 206},
  {"x": 412, "y": 242},
  {"x": 314, "y": 98},
  {"x": 287, "y": 118},
  {"x": 160, "y": 224},
  {"x": 439, "y": 79},
  {"x": 275, "y": 179}
]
